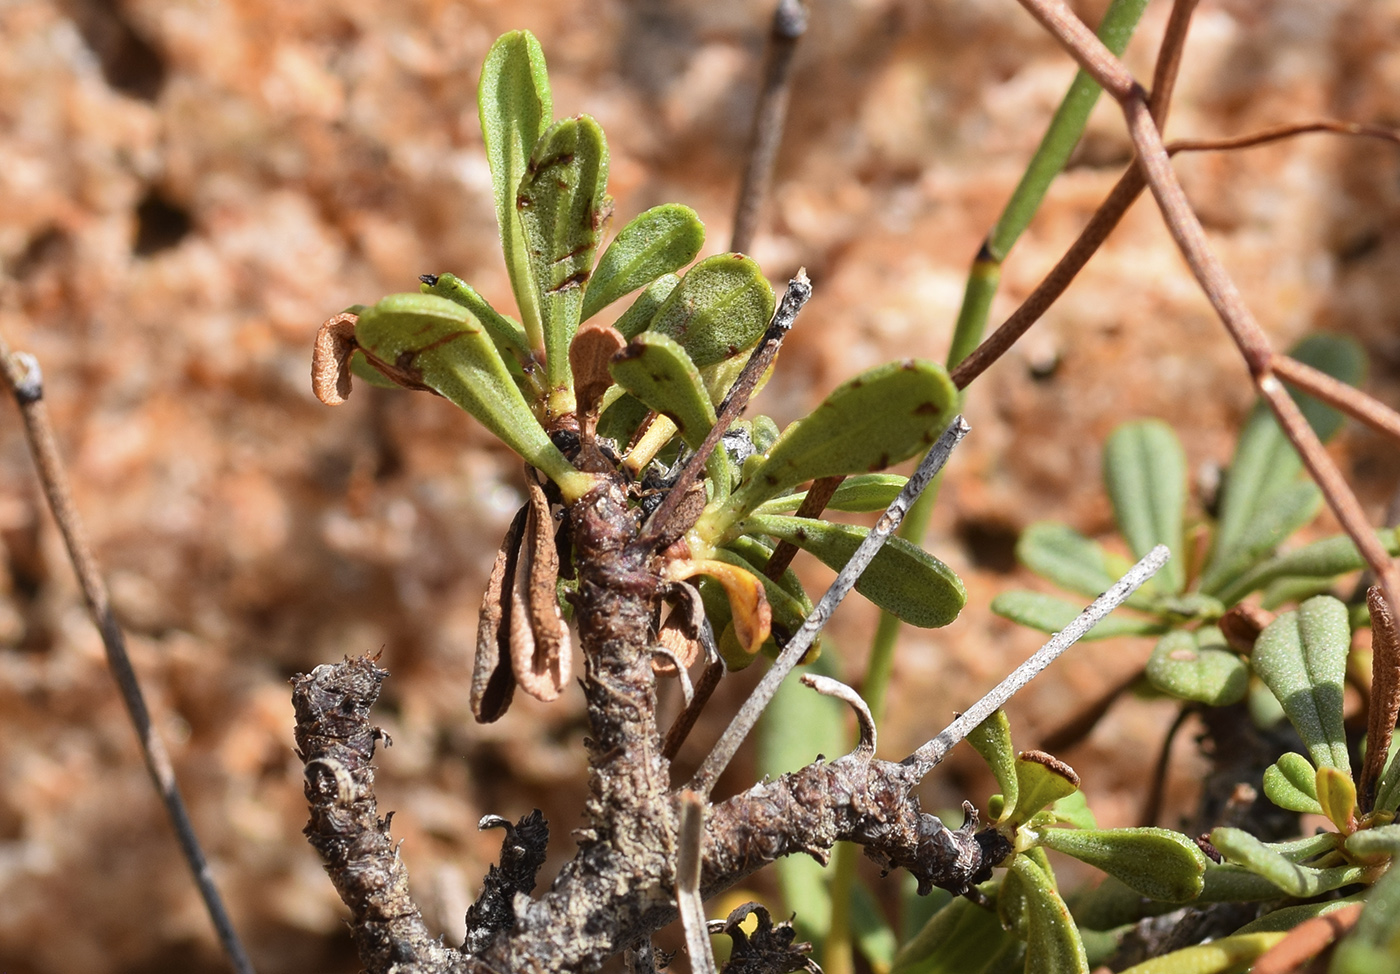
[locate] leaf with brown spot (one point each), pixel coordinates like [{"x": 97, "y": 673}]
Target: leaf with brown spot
[
  {"x": 877, "y": 418},
  {"x": 330, "y": 360},
  {"x": 561, "y": 194}
]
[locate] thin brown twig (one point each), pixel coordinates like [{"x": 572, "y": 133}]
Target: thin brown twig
[
  {"x": 1286, "y": 130},
  {"x": 1334, "y": 392},
  {"x": 685, "y": 721},
  {"x": 789, "y": 24},
  {"x": 1168, "y": 65},
  {"x": 1048, "y": 291},
  {"x": 1307, "y": 940},
  {"x": 1211, "y": 275},
  {"x": 22, "y": 376},
  {"x": 1152, "y": 803},
  {"x": 818, "y": 496},
  {"x": 1107, "y": 217}
]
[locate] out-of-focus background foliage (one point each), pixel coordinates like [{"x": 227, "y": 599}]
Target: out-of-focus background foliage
[{"x": 188, "y": 187}]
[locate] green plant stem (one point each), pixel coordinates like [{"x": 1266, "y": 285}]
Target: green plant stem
[{"x": 1050, "y": 157}]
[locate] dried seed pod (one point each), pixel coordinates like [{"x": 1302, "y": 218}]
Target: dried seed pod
[
  {"x": 493, "y": 682},
  {"x": 330, "y": 359},
  {"x": 540, "y": 652}
]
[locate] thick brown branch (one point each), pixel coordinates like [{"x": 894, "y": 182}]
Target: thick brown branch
[{"x": 336, "y": 741}]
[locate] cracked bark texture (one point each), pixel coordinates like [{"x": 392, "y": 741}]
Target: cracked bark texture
[{"x": 619, "y": 887}]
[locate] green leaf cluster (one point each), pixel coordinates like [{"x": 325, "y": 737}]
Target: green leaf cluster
[
  {"x": 653, "y": 380},
  {"x": 1263, "y": 502}
]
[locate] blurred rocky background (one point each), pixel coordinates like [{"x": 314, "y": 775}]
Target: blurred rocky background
[{"x": 189, "y": 187}]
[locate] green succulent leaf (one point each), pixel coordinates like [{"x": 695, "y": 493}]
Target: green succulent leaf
[
  {"x": 1301, "y": 656},
  {"x": 1383, "y": 840},
  {"x": 1265, "y": 463},
  {"x": 1291, "y": 783},
  {"x": 1225, "y": 956},
  {"x": 1049, "y": 614},
  {"x": 903, "y": 579},
  {"x": 880, "y": 417},
  {"x": 1291, "y": 507},
  {"x": 655, "y": 369},
  {"x": 1294, "y": 591},
  {"x": 1281, "y": 921},
  {"x": 516, "y": 107},
  {"x": 440, "y": 345},
  {"x": 1321, "y": 559},
  {"x": 1074, "y": 810},
  {"x": 1145, "y": 471},
  {"x": 621, "y": 416},
  {"x": 1053, "y": 945},
  {"x": 361, "y": 369},
  {"x": 1158, "y": 863},
  {"x": 636, "y": 318},
  {"x": 507, "y": 333},
  {"x": 1185, "y": 665},
  {"x": 961, "y": 938},
  {"x": 721, "y": 306},
  {"x": 1040, "y": 782},
  {"x": 1289, "y": 877},
  {"x": 661, "y": 240},
  {"x": 1308, "y": 847},
  {"x": 1060, "y": 554},
  {"x": 992, "y": 740},
  {"x": 861, "y": 493},
  {"x": 563, "y": 204}
]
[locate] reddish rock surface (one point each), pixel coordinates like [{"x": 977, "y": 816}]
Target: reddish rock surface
[{"x": 188, "y": 188}]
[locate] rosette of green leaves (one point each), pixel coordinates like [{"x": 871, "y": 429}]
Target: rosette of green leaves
[
  {"x": 549, "y": 183},
  {"x": 1263, "y": 502}
]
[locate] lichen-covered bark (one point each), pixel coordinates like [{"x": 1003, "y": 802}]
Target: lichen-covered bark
[
  {"x": 336, "y": 741},
  {"x": 619, "y": 888}
]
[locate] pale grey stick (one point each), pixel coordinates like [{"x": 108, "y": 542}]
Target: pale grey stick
[
  {"x": 798, "y": 645},
  {"x": 688, "y": 899},
  {"x": 925, "y": 758}
]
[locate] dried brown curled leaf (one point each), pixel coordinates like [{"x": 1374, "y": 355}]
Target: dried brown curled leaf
[
  {"x": 684, "y": 648},
  {"x": 540, "y": 652},
  {"x": 330, "y": 358},
  {"x": 1385, "y": 692},
  {"x": 589, "y": 354},
  {"x": 493, "y": 683}
]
